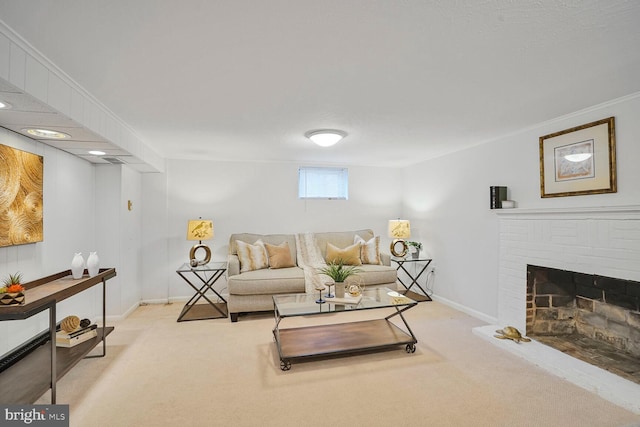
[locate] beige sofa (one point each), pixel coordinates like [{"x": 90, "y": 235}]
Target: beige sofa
[{"x": 252, "y": 291}]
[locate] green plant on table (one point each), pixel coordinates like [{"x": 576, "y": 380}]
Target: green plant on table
[
  {"x": 416, "y": 245},
  {"x": 338, "y": 271}
]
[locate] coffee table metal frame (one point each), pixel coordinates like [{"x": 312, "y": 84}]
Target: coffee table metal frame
[{"x": 307, "y": 342}]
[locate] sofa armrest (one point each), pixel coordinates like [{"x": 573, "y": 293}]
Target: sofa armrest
[
  {"x": 233, "y": 265},
  {"x": 385, "y": 258}
]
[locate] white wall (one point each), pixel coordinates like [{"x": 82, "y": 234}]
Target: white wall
[
  {"x": 68, "y": 212},
  {"x": 119, "y": 234},
  {"x": 447, "y": 200},
  {"x": 83, "y": 210},
  {"x": 248, "y": 197}
]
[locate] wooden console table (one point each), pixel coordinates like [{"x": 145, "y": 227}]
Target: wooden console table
[{"x": 29, "y": 378}]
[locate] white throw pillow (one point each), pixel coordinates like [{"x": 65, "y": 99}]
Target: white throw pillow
[
  {"x": 252, "y": 257},
  {"x": 369, "y": 251}
]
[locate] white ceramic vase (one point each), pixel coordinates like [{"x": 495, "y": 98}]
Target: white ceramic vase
[
  {"x": 93, "y": 264},
  {"x": 77, "y": 266}
]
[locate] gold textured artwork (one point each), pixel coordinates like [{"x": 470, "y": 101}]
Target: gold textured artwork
[{"x": 20, "y": 197}]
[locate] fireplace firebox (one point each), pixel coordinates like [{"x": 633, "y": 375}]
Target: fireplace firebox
[{"x": 593, "y": 318}]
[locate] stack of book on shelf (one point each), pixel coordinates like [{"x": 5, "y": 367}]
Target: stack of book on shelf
[{"x": 80, "y": 335}]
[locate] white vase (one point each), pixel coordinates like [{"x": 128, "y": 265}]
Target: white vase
[
  {"x": 77, "y": 266},
  {"x": 93, "y": 264},
  {"x": 340, "y": 289}
]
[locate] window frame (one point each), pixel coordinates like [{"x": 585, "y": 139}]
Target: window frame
[{"x": 342, "y": 187}]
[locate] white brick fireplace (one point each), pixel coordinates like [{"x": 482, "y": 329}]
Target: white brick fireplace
[{"x": 603, "y": 241}]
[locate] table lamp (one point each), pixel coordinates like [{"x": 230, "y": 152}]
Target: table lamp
[
  {"x": 399, "y": 229},
  {"x": 199, "y": 229}
]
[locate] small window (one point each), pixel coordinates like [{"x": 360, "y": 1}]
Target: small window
[{"x": 323, "y": 183}]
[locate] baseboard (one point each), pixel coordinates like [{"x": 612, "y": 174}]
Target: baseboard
[{"x": 465, "y": 309}]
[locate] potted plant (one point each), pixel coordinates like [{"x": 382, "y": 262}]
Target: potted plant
[
  {"x": 339, "y": 272},
  {"x": 11, "y": 292},
  {"x": 416, "y": 248}
]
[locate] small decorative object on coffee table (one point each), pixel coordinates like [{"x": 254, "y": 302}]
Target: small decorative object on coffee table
[
  {"x": 320, "y": 288},
  {"x": 328, "y": 285},
  {"x": 11, "y": 292}
]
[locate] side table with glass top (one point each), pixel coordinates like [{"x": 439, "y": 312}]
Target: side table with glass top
[
  {"x": 414, "y": 276},
  {"x": 201, "y": 279}
]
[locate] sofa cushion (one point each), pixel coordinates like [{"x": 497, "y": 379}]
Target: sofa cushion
[
  {"x": 341, "y": 239},
  {"x": 369, "y": 250},
  {"x": 264, "y": 282},
  {"x": 347, "y": 256},
  {"x": 272, "y": 239},
  {"x": 279, "y": 256},
  {"x": 252, "y": 257},
  {"x": 376, "y": 274}
]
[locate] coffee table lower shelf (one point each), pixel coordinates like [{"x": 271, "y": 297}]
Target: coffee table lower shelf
[{"x": 342, "y": 338}]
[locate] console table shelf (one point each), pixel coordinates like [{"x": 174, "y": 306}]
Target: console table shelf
[{"x": 38, "y": 371}]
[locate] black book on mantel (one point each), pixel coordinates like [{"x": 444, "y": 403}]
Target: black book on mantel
[{"x": 496, "y": 195}]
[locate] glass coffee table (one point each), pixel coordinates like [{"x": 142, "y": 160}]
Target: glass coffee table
[{"x": 299, "y": 343}]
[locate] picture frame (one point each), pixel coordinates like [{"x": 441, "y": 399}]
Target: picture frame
[
  {"x": 21, "y": 201},
  {"x": 579, "y": 161}
]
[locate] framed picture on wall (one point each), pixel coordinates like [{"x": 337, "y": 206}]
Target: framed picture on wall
[
  {"x": 578, "y": 161},
  {"x": 21, "y": 175}
]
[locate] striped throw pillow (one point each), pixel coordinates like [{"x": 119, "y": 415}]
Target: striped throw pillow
[
  {"x": 252, "y": 257},
  {"x": 369, "y": 251}
]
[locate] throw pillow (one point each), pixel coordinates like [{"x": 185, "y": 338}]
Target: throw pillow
[
  {"x": 279, "y": 256},
  {"x": 348, "y": 256},
  {"x": 369, "y": 251},
  {"x": 252, "y": 257}
]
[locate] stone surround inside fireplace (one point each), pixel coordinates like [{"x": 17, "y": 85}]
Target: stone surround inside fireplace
[{"x": 593, "y": 318}]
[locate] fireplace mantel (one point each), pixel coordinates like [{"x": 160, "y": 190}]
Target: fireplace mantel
[{"x": 590, "y": 212}]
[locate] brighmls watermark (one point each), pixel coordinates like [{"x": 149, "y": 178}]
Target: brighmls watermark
[{"x": 34, "y": 415}]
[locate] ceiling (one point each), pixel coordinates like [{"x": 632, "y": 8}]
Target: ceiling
[{"x": 408, "y": 80}]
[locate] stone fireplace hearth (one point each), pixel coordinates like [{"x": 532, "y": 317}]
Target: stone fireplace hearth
[{"x": 601, "y": 241}]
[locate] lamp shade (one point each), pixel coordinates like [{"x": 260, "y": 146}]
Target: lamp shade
[
  {"x": 399, "y": 229},
  {"x": 200, "y": 229}
]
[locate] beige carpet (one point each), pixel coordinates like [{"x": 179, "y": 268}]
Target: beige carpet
[{"x": 216, "y": 373}]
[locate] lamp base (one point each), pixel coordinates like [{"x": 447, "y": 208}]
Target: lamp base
[
  {"x": 403, "y": 248},
  {"x": 195, "y": 262}
]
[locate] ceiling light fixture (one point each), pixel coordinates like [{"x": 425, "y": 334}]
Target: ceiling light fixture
[
  {"x": 46, "y": 133},
  {"x": 325, "y": 137},
  {"x": 4, "y": 105},
  {"x": 97, "y": 153}
]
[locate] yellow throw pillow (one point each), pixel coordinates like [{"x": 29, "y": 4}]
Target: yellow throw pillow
[
  {"x": 369, "y": 251},
  {"x": 279, "y": 256},
  {"x": 347, "y": 256},
  {"x": 252, "y": 257}
]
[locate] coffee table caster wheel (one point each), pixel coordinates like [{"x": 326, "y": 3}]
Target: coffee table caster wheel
[
  {"x": 410, "y": 348},
  {"x": 285, "y": 365}
]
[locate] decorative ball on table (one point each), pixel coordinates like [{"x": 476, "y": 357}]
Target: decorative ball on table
[{"x": 70, "y": 323}]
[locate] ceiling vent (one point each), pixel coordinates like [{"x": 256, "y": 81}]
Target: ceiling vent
[{"x": 113, "y": 160}]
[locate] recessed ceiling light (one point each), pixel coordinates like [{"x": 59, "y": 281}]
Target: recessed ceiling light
[
  {"x": 325, "y": 137},
  {"x": 97, "y": 153},
  {"x": 4, "y": 105},
  {"x": 46, "y": 133}
]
